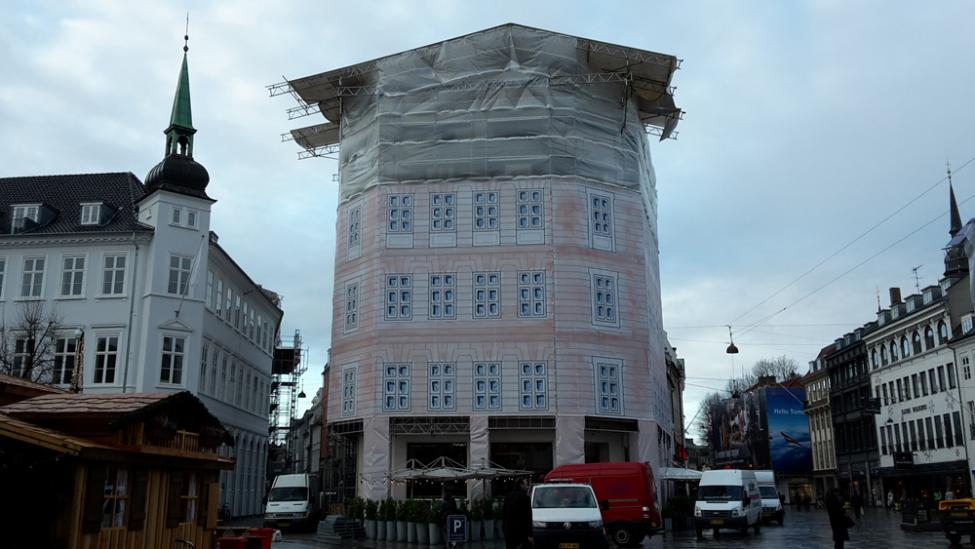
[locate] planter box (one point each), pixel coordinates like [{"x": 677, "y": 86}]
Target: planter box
[
  {"x": 422, "y": 532},
  {"x": 370, "y": 526},
  {"x": 489, "y": 530},
  {"x": 475, "y": 527},
  {"x": 410, "y": 532},
  {"x": 390, "y": 530},
  {"x": 433, "y": 529},
  {"x": 400, "y": 530}
]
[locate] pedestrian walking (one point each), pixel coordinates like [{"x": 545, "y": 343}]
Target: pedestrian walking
[
  {"x": 890, "y": 498},
  {"x": 448, "y": 507},
  {"x": 839, "y": 522},
  {"x": 518, "y": 517},
  {"x": 949, "y": 494},
  {"x": 857, "y": 503}
]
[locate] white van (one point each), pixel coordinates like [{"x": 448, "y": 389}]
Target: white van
[
  {"x": 293, "y": 502},
  {"x": 771, "y": 504},
  {"x": 728, "y": 498},
  {"x": 567, "y": 516}
]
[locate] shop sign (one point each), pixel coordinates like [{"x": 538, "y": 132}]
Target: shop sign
[{"x": 903, "y": 460}]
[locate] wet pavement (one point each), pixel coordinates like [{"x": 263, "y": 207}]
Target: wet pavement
[{"x": 802, "y": 530}]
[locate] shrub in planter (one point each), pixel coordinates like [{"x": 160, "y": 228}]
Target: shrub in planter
[
  {"x": 381, "y": 520},
  {"x": 420, "y": 514},
  {"x": 390, "y": 519},
  {"x": 409, "y": 516},
  {"x": 401, "y": 511},
  {"x": 434, "y": 522},
  {"x": 369, "y": 511}
]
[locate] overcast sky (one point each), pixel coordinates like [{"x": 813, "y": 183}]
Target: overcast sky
[{"x": 807, "y": 123}]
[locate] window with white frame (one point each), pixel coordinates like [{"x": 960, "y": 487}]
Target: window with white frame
[
  {"x": 106, "y": 359},
  {"x": 351, "y": 306},
  {"x": 487, "y": 385},
  {"x": 171, "y": 366},
  {"x": 396, "y": 387},
  {"x": 218, "y": 298},
  {"x": 33, "y": 279},
  {"x": 23, "y": 359},
  {"x": 442, "y": 208},
  {"x": 530, "y": 209},
  {"x": 191, "y": 218},
  {"x": 65, "y": 355},
  {"x": 179, "y": 274},
  {"x": 250, "y": 325},
  {"x": 609, "y": 392},
  {"x": 531, "y": 293},
  {"x": 113, "y": 274},
  {"x": 224, "y": 387},
  {"x": 966, "y": 368},
  {"x": 204, "y": 364},
  {"x": 604, "y": 302},
  {"x": 90, "y": 213},
  {"x": 399, "y": 213},
  {"x": 348, "y": 391},
  {"x": 73, "y": 276},
  {"x": 486, "y": 295},
  {"x": 486, "y": 211},
  {"x": 240, "y": 383},
  {"x": 243, "y": 327},
  {"x": 441, "y": 380},
  {"x": 3, "y": 273},
  {"x": 209, "y": 294},
  {"x": 214, "y": 367},
  {"x": 533, "y": 381},
  {"x": 228, "y": 310},
  {"x": 177, "y": 216},
  {"x": 24, "y": 212},
  {"x": 601, "y": 211},
  {"x": 237, "y": 311},
  {"x": 354, "y": 218},
  {"x": 443, "y": 295},
  {"x": 399, "y": 297}
]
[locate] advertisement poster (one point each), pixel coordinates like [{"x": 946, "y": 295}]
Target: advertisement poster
[
  {"x": 788, "y": 427},
  {"x": 736, "y": 433}
]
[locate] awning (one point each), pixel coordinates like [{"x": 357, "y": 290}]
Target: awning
[
  {"x": 444, "y": 469},
  {"x": 676, "y": 473}
]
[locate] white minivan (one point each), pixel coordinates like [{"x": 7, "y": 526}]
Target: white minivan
[
  {"x": 567, "y": 516},
  {"x": 728, "y": 498},
  {"x": 771, "y": 504},
  {"x": 293, "y": 502}
]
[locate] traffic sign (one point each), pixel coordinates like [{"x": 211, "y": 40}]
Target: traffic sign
[{"x": 456, "y": 528}]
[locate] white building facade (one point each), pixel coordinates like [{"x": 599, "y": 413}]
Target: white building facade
[{"x": 133, "y": 293}]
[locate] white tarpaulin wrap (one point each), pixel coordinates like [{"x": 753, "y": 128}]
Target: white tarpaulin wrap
[
  {"x": 375, "y": 459},
  {"x": 507, "y": 102},
  {"x": 570, "y": 439},
  {"x": 480, "y": 450}
]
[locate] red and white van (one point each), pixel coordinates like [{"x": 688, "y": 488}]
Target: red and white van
[{"x": 627, "y": 496}]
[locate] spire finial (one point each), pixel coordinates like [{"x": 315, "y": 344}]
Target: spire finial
[
  {"x": 955, "y": 215},
  {"x": 186, "y": 34}
]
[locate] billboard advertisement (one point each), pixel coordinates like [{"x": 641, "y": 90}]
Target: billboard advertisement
[
  {"x": 736, "y": 433},
  {"x": 790, "y": 445}
]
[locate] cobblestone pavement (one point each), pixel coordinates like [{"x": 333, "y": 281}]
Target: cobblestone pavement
[{"x": 802, "y": 530}]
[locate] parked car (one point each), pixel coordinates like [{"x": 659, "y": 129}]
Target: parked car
[
  {"x": 293, "y": 502},
  {"x": 626, "y": 492},
  {"x": 728, "y": 498},
  {"x": 771, "y": 504},
  {"x": 566, "y": 516},
  {"x": 957, "y": 518}
]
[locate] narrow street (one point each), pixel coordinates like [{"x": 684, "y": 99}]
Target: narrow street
[{"x": 802, "y": 530}]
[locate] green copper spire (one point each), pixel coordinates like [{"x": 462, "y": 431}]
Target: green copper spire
[{"x": 179, "y": 134}]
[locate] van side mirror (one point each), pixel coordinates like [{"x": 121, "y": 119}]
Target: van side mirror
[{"x": 604, "y": 505}]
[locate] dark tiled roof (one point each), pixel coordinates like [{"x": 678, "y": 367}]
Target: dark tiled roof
[{"x": 64, "y": 194}]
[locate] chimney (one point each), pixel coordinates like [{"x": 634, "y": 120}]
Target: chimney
[{"x": 895, "y": 296}]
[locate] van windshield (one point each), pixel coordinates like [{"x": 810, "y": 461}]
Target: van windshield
[
  {"x": 562, "y": 497},
  {"x": 723, "y": 493},
  {"x": 288, "y": 493},
  {"x": 768, "y": 492}
]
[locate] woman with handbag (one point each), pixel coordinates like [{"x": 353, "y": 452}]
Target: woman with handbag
[{"x": 839, "y": 522}]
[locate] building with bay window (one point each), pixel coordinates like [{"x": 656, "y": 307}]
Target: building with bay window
[
  {"x": 497, "y": 294},
  {"x": 112, "y": 285}
]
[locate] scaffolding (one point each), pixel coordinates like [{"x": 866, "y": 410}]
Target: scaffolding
[{"x": 289, "y": 363}]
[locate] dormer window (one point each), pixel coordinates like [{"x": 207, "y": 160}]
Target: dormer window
[
  {"x": 23, "y": 212},
  {"x": 184, "y": 217},
  {"x": 91, "y": 213}
]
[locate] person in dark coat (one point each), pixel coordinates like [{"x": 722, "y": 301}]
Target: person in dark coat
[
  {"x": 837, "y": 518},
  {"x": 518, "y": 517},
  {"x": 448, "y": 507},
  {"x": 857, "y": 503}
]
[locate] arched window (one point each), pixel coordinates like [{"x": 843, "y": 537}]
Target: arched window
[
  {"x": 916, "y": 339},
  {"x": 905, "y": 347},
  {"x": 942, "y": 333},
  {"x": 883, "y": 355},
  {"x": 928, "y": 338},
  {"x": 873, "y": 359},
  {"x": 893, "y": 352}
]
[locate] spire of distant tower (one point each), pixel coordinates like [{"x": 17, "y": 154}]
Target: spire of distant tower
[
  {"x": 179, "y": 134},
  {"x": 955, "y": 216}
]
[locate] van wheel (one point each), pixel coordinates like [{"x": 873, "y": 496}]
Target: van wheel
[{"x": 624, "y": 537}]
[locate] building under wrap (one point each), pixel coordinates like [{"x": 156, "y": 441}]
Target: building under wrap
[{"x": 497, "y": 292}]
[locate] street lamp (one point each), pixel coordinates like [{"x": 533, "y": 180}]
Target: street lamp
[{"x": 732, "y": 349}]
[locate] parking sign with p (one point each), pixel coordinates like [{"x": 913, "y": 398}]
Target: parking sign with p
[{"x": 456, "y": 528}]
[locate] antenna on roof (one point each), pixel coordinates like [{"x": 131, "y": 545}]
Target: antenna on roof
[
  {"x": 878, "y": 299},
  {"x": 917, "y": 279},
  {"x": 186, "y": 34}
]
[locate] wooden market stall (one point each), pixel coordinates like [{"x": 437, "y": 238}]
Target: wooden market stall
[{"x": 109, "y": 471}]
